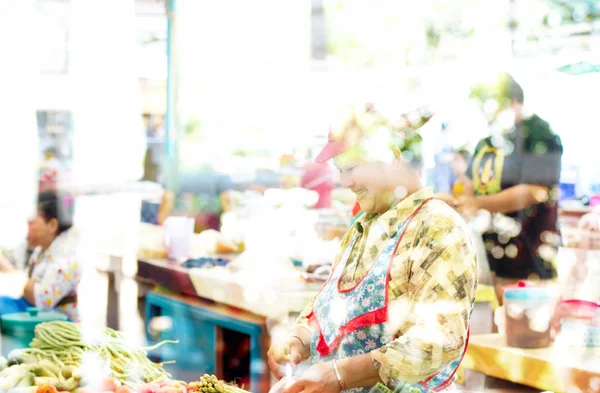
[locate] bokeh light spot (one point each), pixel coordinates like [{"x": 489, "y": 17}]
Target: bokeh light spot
[{"x": 511, "y": 251}]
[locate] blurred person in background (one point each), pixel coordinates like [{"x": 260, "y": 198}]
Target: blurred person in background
[
  {"x": 515, "y": 174},
  {"x": 153, "y": 158},
  {"x": 459, "y": 167},
  {"x": 206, "y": 195},
  {"x": 442, "y": 176},
  {"x": 318, "y": 177},
  {"x": 396, "y": 307},
  {"x": 54, "y": 270}
]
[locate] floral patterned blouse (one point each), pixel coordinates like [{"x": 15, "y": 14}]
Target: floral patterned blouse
[{"x": 56, "y": 273}]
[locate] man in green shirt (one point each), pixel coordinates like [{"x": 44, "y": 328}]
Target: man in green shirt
[{"x": 515, "y": 175}]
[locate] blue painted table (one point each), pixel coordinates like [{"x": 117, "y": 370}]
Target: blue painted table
[{"x": 198, "y": 325}]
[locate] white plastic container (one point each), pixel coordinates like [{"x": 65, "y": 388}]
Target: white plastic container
[{"x": 178, "y": 237}]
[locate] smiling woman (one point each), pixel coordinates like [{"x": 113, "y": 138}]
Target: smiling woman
[
  {"x": 375, "y": 183},
  {"x": 372, "y": 154},
  {"x": 408, "y": 257}
]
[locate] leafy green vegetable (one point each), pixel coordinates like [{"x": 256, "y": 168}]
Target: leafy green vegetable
[{"x": 380, "y": 388}]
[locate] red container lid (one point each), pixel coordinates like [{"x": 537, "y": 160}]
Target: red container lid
[{"x": 520, "y": 284}]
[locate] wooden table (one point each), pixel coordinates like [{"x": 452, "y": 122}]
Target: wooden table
[
  {"x": 553, "y": 369},
  {"x": 212, "y": 301},
  {"x": 249, "y": 291},
  {"x": 167, "y": 273}
]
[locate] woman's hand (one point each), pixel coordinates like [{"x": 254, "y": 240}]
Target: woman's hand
[
  {"x": 292, "y": 352},
  {"x": 447, "y": 198},
  {"x": 320, "y": 378},
  {"x": 467, "y": 207}
]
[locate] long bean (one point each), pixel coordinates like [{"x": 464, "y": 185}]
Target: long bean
[{"x": 62, "y": 343}]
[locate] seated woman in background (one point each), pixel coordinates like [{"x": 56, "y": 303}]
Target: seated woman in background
[{"x": 54, "y": 271}]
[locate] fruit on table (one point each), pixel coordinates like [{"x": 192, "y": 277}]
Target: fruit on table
[{"x": 46, "y": 389}]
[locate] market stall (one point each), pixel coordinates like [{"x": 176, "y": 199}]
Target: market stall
[{"x": 234, "y": 285}]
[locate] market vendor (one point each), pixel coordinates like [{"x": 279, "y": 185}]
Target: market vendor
[
  {"x": 396, "y": 309},
  {"x": 54, "y": 270},
  {"x": 515, "y": 175}
]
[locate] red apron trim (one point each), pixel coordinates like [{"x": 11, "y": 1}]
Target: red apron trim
[
  {"x": 375, "y": 317},
  {"x": 371, "y": 318}
]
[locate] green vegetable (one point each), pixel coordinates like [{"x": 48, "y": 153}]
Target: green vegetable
[
  {"x": 400, "y": 388},
  {"x": 13, "y": 378},
  {"x": 67, "y": 372},
  {"x": 10, "y": 370},
  {"x": 40, "y": 371},
  {"x": 46, "y": 381},
  {"x": 380, "y": 388},
  {"x": 50, "y": 367},
  {"x": 59, "y": 348},
  {"x": 27, "y": 381},
  {"x": 211, "y": 384},
  {"x": 67, "y": 385},
  {"x": 17, "y": 356}
]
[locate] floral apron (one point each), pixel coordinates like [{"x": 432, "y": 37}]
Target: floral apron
[{"x": 353, "y": 322}]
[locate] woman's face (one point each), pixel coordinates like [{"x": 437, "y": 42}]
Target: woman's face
[
  {"x": 368, "y": 180},
  {"x": 41, "y": 232}
]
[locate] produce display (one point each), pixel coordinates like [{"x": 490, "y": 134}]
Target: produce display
[
  {"x": 56, "y": 361},
  {"x": 211, "y": 384},
  {"x": 59, "y": 360}
]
